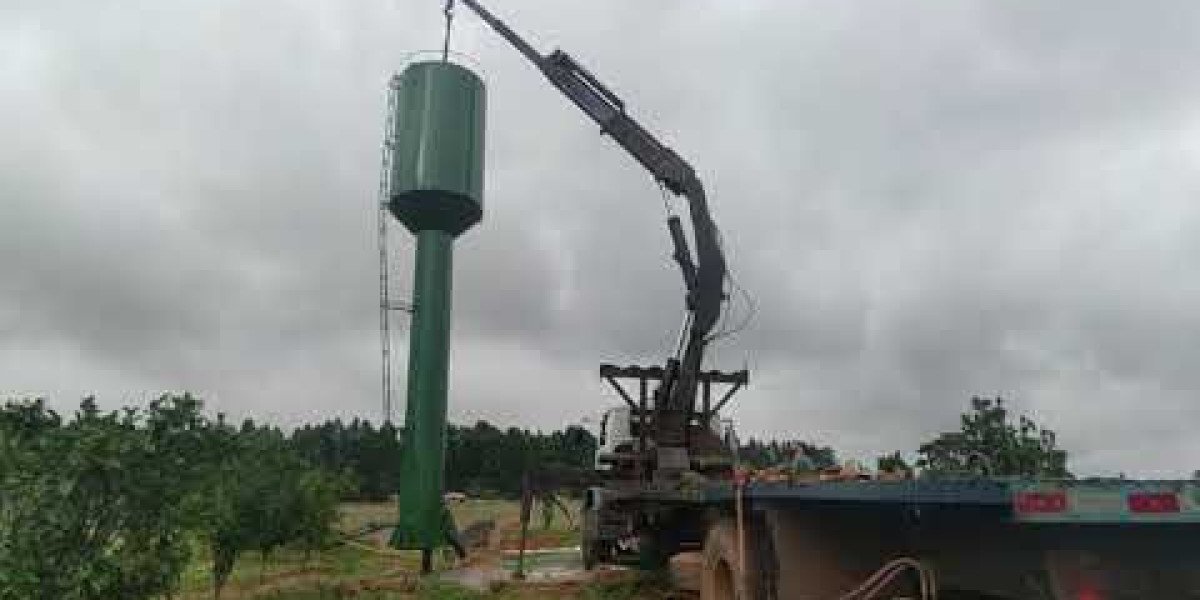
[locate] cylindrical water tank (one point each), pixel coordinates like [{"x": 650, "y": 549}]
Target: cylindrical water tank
[{"x": 437, "y": 159}]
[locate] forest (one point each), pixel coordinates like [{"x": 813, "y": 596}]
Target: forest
[{"x": 481, "y": 460}]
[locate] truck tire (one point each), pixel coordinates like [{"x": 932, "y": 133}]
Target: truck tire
[
  {"x": 719, "y": 565},
  {"x": 587, "y": 555},
  {"x": 594, "y": 552},
  {"x": 652, "y": 553},
  {"x": 587, "y": 542},
  {"x": 594, "y": 548}
]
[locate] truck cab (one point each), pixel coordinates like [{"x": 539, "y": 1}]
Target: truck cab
[{"x": 619, "y": 439}]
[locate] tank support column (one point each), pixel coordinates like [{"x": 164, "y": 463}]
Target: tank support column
[{"x": 421, "y": 469}]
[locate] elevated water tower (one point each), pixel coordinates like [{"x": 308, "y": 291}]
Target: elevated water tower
[{"x": 436, "y": 191}]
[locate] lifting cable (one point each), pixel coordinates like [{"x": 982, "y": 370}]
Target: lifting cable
[
  {"x": 751, "y": 305},
  {"x": 448, "y": 11}
]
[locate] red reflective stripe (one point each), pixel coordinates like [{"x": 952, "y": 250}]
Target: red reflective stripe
[
  {"x": 1088, "y": 592},
  {"x": 1041, "y": 502},
  {"x": 1154, "y": 503}
]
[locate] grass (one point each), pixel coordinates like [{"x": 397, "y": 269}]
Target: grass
[
  {"x": 423, "y": 592},
  {"x": 340, "y": 572},
  {"x": 473, "y": 510},
  {"x": 641, "y": 588},
  {"x": 634, "y": 589},
  {"x": 353, "y": 516},
  {"x": 357, "y": 515},
  {"x": 289, "y": 566}
]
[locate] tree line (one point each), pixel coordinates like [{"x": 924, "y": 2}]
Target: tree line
[
  {"x": 114, "y": 504},
  {"x": 991, "y": 441},
  {"x": 481, "y": 459},
  {"x": 758, "y": 454}
]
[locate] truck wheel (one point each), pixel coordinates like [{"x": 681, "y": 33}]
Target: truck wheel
[
  {"x": 594, "y": 552},
  {"x": 588, "y": 554},
  {"x": 719, "y": 568},
  {"x": 592, "y": 549},
  {"x": 652, "y": 553}
]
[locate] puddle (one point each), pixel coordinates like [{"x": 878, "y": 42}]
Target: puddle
[
  {"x": 553, "y": 565},
  {"x": 548, "y": 564}
]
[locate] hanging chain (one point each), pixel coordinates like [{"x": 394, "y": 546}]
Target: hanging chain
[{"x": 448, "y": 11}]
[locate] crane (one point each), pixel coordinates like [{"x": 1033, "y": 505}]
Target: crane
[
  {"x": 704, "y": 274},
  {"x": 986, "y": 537}
]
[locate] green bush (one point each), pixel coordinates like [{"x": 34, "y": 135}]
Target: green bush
[
  {"x": 103, "y": 505},
  {"x": 91, "y": 507}
]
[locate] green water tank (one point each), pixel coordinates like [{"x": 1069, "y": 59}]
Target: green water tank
[{"x": 437, "y": 159}]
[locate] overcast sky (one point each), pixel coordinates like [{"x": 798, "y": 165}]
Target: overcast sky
[{"x": 926, "y": 200}]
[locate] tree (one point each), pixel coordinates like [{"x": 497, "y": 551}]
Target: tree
[
  {"x": 260, "y": 494},
  {"x": 990, "y": 444},
  {"x": 893, "y": 463},
  {"x": 317, "y": 496},
  {"x": 91, "y": 508},
  {"x": 757, "y": 454}
]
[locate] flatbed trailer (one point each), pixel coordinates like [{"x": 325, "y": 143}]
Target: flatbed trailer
[{"x": 977, "y": 538}]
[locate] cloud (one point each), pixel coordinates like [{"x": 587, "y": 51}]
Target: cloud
[{"x": 925, "y": 203}]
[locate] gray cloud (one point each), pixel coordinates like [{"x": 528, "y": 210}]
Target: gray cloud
[{"x": 925, "y": 202}]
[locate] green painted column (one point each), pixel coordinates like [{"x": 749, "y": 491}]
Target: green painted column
[{"x": 421, "y": 524}]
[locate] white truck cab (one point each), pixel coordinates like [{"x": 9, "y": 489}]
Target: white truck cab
[
  {"x": 619, "y": 436},
  {"x": 616, "y": 436}
]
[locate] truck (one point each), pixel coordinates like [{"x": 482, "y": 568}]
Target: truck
[
  {"x": 967, "y": 537},
  {"x": 670, "y": 487}
]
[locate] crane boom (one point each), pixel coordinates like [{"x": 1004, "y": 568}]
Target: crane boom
[{"x": 704, "y": 276}]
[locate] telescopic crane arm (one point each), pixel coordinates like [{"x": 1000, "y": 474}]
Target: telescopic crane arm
[{"x": 704, "y": 276}]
